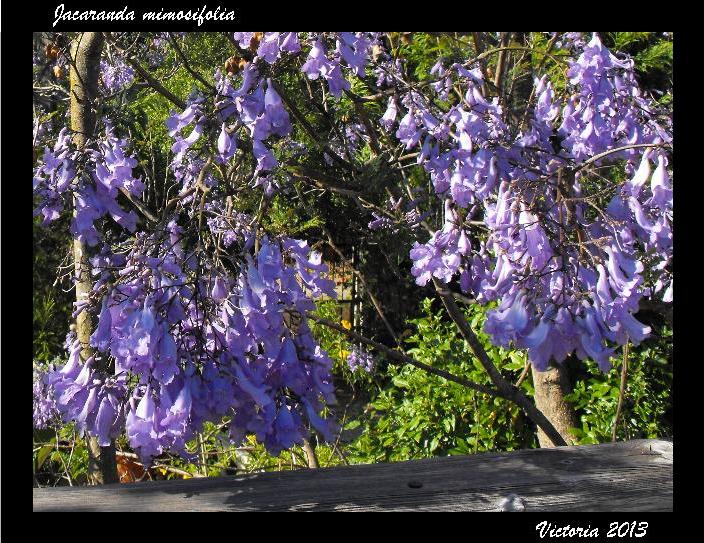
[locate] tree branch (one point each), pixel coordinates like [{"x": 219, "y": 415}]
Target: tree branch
[
  {"x": 153, "y": 83},
  {"x": 186, "y": 65},
  {"x": 402, "y": 358},
  {"x": 595, "y": 158},
  {"x": 308, "y": 128},
  {"x": 621, "y": 390},
  {"x": 506, "y": 389}
]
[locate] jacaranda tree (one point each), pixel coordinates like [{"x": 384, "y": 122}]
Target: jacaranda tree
[{"x": 526, "y": 171}]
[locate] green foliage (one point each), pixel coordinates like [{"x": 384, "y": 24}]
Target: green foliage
[
  {"x": 282, "y": 218},
  {"x": 652, "y": 50},
  {"x": 46, "y": 338},
  {"x": 658, "y": 56},
  {"x": 646, "y": 411},
  {"x": 552, "y": 63},
  {"x": 59, "y": 457},
  {"x": 422, "y": 50},
  {"x": 418, "y": 415},
  {"x": 652, "y": 53},
  {"x": 51, "y": 304}
]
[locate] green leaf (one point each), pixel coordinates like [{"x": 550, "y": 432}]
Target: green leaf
[
  {"x": 433, "y": 444},
  {"x": 44, "y": 452},
  {"x": 352, "y": 424}
]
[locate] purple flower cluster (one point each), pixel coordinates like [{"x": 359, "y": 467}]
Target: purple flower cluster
[
  {"x": 115, "y": 75},
  {"x": 190, "y": 337},
  {"x": 197, "y": 349},
  {"x": 232, "y": 227},
  {"x": 318, "y": 65},
  {"x": 156, "y": 51},
  {"x": 111, "y": 171},
  {"x": 44, "y": 405},
  {"x": 257, "y": 107},
  {"x": 441, "y": 256},
  {"x": 566, "y": 281},
  {"x": 94, "y": 401},
  {"x": 608, "y": 110},
  {"x": 352, "y": 48},
  {"x": 105, "y": 169},
  {"x": 177, "y": 121},
  {"x": 398, "y": 215},
  {"x": 360, "y": 359},
  {"x": 55, "y": 172},
  {"x": 380, "y": 222}
]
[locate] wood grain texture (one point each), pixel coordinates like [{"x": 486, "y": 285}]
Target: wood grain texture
[{"x": 629, "y": 476}]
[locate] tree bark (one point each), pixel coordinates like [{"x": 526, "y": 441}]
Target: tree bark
[
  {"x": 85, "y": 52},
  {"x": 311, "y": 457},
  {"x": 551, "y": 387}
]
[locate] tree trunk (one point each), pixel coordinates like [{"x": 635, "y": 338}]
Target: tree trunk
[
  {"x": 551, "y": 386},
  {"x": 85, "y": 51},
  {"x": 311, "y": 457}
]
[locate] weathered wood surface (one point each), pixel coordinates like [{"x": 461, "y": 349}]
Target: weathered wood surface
[{"x": 631, "y": 476}]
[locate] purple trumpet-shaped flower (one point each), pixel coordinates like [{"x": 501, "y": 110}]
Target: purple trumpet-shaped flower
[
  {"x": 226, "y": 144},
  {"x": 660, "y": 186},
  {"x": 100, "y": 339},
  {"x": 635, "y": 185},
  {"x": 389, "y": 117},
  {"x": 219, "y": 291},
  {"x": 269, "y": 48},
  {"x": 265, "y": 158},
  {"x": 407, "y": 131},
  {"x": 353, "y": 48},
  {"x": 286, "y": 431},
  {"x": 289, "y": 42},
  {"x": 508, "y": 322},
  {"x": 277, "y": 115},
  {"x": 142, "y": 427},
  {"x": 316, "y": 63}
]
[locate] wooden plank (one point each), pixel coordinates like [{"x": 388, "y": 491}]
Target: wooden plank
[{"x": 629, "y": 476}]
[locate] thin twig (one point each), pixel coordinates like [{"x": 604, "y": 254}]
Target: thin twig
[
  {"x": 523, "y": 375},
  {"x": 616, "y": 150},
  {"x": 186, "y": 65},
  {"x": 622, "y": 390},
  {"x": 505, "y": 37}
]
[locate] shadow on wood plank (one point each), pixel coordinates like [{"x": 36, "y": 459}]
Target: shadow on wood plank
[{"x": 629, "y": 476}]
